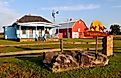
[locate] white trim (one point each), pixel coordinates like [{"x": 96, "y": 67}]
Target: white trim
[{"x": 36, "y": 24}]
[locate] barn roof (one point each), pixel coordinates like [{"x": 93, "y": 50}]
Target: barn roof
[
  {"x": 30, "y": 18},
  {"x": 70, "y": 24},
  {"x": 66, "y": 25}
]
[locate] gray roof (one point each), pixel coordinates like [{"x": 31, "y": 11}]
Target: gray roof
[{"x": 30, "y": 18}]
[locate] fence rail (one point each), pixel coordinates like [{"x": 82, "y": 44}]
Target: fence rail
[
  {"x": 48, "y": 50},
  {"x": 9, "y": 45},
  {"x": 41, "y": 51}
]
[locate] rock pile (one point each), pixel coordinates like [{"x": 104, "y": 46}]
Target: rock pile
[{"x": 58, "y": 62}]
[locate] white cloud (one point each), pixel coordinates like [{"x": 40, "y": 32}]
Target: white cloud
[
  {"x": 74, "y": 7},
  {"x": 7, "y": 15}
]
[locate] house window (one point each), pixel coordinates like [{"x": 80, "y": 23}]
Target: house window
[
  {"x": 80, "y": 22},
  {"x": 23, "y": 31},
  {"x": 79, "y": 29}
]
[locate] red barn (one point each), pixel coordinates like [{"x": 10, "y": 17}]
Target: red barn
[{"x": 72, "y": 29}]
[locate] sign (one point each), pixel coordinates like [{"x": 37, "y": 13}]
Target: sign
[{"x": 95, "y": 33}]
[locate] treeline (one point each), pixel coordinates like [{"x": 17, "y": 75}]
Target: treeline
[{"x": 115, "y": 29}]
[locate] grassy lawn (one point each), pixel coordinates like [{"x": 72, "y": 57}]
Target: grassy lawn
[
  {"x": 9, "y": 42},
  {"x": 32, "y": 67}
]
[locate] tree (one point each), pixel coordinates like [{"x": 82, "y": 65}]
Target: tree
[{"x": 115, "y": 29}]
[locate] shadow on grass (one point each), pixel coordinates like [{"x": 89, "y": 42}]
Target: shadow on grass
[
  {"x": 34, "y": 63},
  {"x": 34, "y": 59},
  {"x": 27, "y": 48}
]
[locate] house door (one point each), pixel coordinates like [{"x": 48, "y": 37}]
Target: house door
[
  {"x": 31, "y": 33},
  {"x": 40, "y": 33}
]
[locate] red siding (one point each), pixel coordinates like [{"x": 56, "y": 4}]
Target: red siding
[
  {"x": 79, "y": 24},
  {"x": 64, "y": 32}
]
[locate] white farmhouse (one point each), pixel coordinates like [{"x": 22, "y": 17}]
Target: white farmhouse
[{"x": 28, "y": 28}]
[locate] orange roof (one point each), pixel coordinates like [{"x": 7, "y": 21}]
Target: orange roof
[{"x": 97, "y": 26}]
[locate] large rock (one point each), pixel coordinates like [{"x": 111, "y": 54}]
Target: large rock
[{"x": 58, "y": 62}]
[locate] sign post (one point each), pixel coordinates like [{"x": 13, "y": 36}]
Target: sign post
[
  {"x": 61, "y": 45},
  {"x": 96, "y": 47},
  {"x": 107, "y": 42}
]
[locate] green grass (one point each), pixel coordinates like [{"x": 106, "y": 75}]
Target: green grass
[
  {"x": 117, "y": 45},
  {"x": 80, "y": 40},
  {"x": 32, "y": 67},
  {"x": 8, "y": 42}
]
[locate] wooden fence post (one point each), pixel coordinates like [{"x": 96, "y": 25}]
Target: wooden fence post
[
  {"x": 96, "y": 47},
  {"x": 61, "y": 45},
  {"x": 108, "y": 45}
]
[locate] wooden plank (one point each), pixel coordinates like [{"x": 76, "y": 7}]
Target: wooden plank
[
  {"x": 27, "y": 52},
  {"x": 41, "y": 51},
  {"x": 74, "y": 49},
  {"x": 33, "y": 52},
  {"x": 9, "y": 45}
]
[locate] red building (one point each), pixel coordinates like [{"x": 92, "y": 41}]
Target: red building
[{"x": 72, "y": 29}]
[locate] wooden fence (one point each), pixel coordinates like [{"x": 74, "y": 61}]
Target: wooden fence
[{"x": 61, "y": 49}]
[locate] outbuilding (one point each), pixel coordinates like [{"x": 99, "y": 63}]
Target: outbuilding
[{"x": 73, "y": 29}]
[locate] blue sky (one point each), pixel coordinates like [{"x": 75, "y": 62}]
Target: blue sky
[{"x": 107, "y": 11}]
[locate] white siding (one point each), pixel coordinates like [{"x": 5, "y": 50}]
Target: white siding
[
  {"x": 35, "y": 34},
  {"x": 75, "y": 35}
]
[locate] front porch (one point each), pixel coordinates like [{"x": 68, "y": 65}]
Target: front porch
[{"x": 31, "y": 33}]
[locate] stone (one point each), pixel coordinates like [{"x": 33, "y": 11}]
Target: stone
[{"x": 62, "y": 62}]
